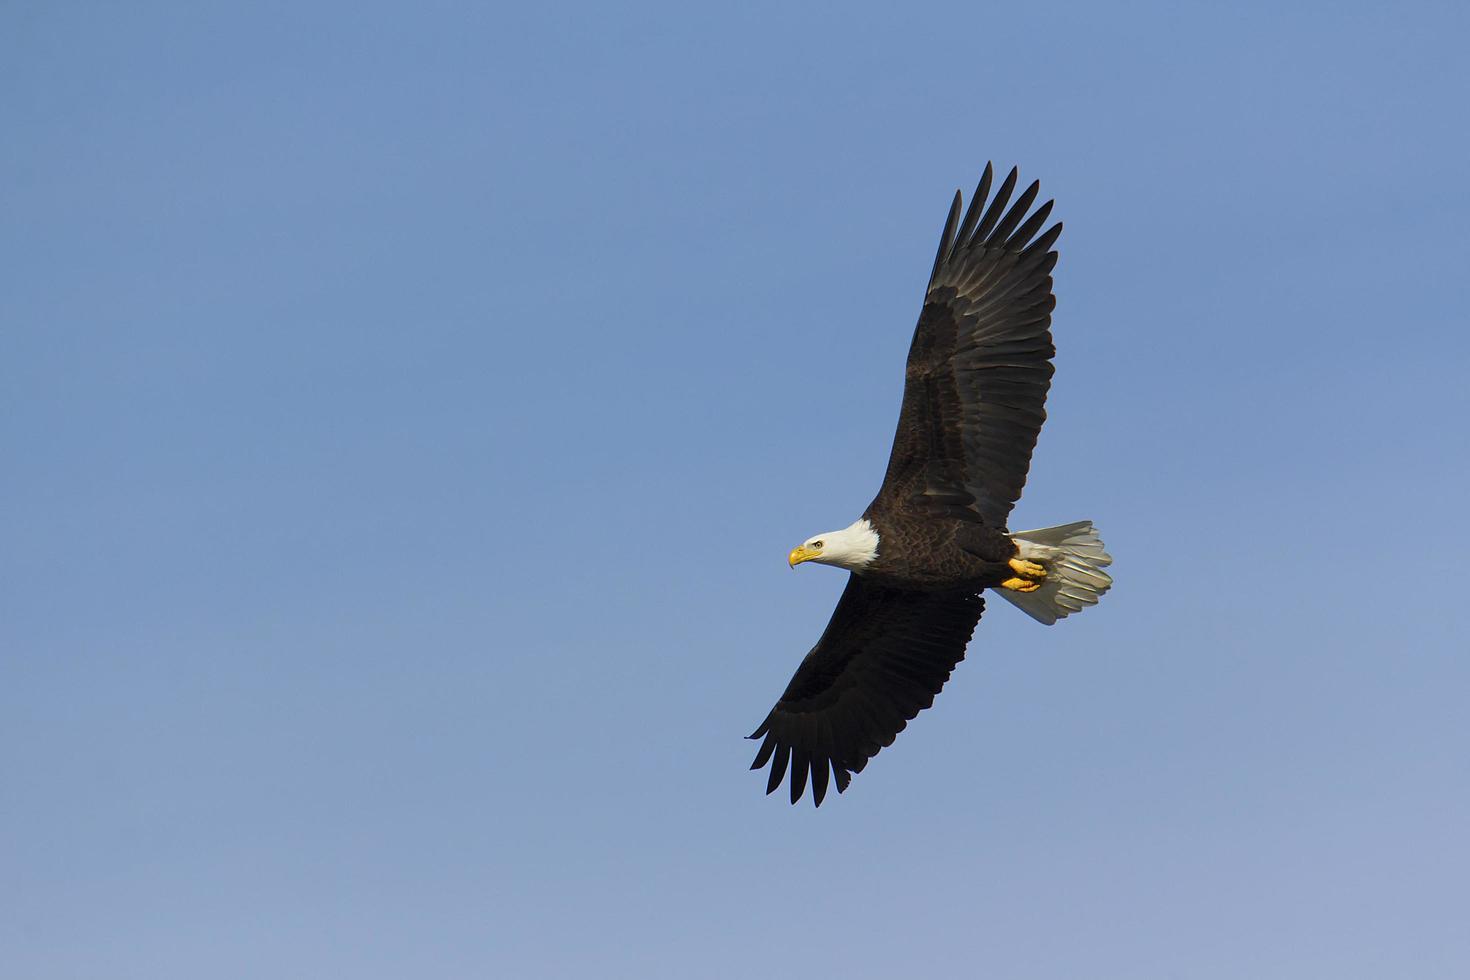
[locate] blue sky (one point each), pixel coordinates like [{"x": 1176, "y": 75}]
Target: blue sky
[{"x": 407, "y": 412}]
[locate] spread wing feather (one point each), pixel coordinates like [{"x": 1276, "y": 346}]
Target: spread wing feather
[
  {"x": 979, "y": 366},
  {"x": 884, "y": 656}
]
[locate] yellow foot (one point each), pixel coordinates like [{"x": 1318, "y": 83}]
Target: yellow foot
[
  {"x": 1027, "y": 569},
  {"x": 1029, "y": 576}
]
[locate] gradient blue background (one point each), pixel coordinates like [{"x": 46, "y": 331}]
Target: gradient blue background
[{"x": 407, "y": 412}]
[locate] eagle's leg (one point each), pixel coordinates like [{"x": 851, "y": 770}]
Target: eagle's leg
[{"x": 1028, "y": 577}]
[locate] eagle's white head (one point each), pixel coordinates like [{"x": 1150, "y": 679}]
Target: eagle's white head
[{"x": 853, "y": 548}]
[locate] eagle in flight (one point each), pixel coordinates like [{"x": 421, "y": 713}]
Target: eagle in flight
[{"x": 935, "y": 537}]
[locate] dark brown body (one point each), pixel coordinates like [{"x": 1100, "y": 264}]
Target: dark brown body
[{"x": 939, "y": 554}]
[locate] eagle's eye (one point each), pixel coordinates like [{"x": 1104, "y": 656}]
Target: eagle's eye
[{"x": 816, "y": 544}]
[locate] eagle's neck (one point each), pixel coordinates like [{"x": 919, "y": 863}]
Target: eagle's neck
[{"x": 854, "y": 548}]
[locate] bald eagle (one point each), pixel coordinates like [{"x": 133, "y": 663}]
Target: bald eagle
[{"x": 935, "y": 537}]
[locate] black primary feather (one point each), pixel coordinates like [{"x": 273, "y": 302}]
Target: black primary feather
[{"x": 882, "y": 659}]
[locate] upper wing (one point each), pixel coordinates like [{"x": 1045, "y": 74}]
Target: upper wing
[
  {"x": 881, "y": 660},
  {"x": 980, "y": 363}
]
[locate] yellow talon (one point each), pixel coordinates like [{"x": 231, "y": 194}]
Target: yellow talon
[
  {"x": 1027, "y": 569},
  {"x": 1029, "y": 576}
]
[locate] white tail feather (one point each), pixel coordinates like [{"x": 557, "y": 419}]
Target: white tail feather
[{"x": 1074, "y": 559}]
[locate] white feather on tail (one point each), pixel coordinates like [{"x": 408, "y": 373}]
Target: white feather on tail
[{"x": 1074, "y": 559}]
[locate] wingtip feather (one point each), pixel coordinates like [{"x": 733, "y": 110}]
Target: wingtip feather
[{"x": 946, "y": 238}]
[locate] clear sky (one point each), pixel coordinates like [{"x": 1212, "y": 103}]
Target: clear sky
[{"x": 407, "y": 410}]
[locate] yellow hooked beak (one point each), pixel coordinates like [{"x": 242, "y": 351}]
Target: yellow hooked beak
[{"x": 800, "y": 554}]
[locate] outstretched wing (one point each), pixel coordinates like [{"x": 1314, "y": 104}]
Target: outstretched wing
[
  {"x": 980, "y": 363},
  {"x": 883, "y": 657}
]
